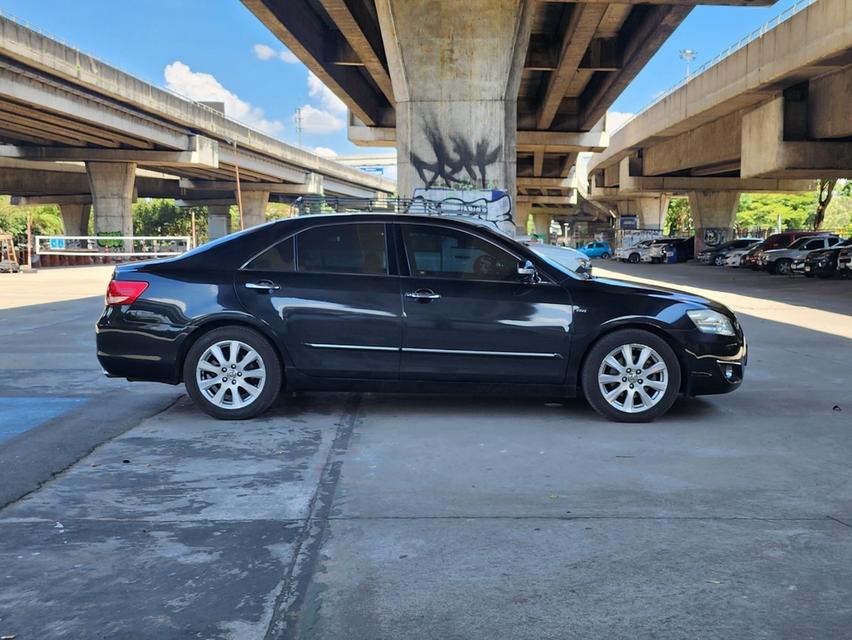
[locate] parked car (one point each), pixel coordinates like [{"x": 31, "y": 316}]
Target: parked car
[
  {"x": 656, "y": 250},
  {"x": 566, "y": 256},
  {"x": 844, "y": 259},
  {"x": 775, "y": 241},
  {"x": 780, "y": 261},
  {"x": 679, "y": 250},
  {"x": 718, "y": 254},
  {"x": 597, "y": 250},
  {"x": 734, "y": 258},
  {"x": 634, "y": 253},
  {"x": 409, "y": 303},
  {"x": 823, "y": 263}
]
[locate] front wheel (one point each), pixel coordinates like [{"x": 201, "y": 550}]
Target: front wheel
[
  {"x": 631, "y": 376},
  {"x": 232, "y": 373},
  {"x": 719, "y": 261},
  {"x": 634, "y": 258}
]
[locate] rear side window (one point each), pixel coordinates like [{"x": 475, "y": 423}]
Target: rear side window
[
  {"x": 281, "y": 257},
  {"x": 815, "y": 244},
  {"x": 343, "y": 248}
]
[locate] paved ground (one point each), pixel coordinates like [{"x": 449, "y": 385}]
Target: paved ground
[{"x": 346, "y": 516}]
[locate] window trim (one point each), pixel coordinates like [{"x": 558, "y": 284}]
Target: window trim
[{"x": 546, "y": 279}]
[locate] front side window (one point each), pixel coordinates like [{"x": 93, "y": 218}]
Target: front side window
[
  {"x": 436, "y": 252},
  {"x": 343, "y": 248}
]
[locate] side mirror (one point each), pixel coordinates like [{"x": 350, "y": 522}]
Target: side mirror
[{"x": 527, "y": 272}]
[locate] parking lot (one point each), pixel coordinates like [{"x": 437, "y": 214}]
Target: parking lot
[{"x": 129, "y": 513}]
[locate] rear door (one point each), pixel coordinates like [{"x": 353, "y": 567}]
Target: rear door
[
  {"x": 331, "y": 295},
  {"x": 468, "y": 317}
]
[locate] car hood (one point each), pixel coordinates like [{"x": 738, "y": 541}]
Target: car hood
[{"x": 621, "y": 287}]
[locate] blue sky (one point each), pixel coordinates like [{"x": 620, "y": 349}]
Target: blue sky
[{"x": 209, "y": 49}]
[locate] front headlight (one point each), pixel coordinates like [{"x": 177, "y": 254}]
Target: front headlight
[{"x": 709, "y": 321}]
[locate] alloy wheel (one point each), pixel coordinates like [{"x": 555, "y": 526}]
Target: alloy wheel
[
  {"x": 633, "y": 378},
  {"x": 230, "y": 374}
]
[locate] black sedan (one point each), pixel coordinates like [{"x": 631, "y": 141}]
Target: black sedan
[
  {"x": 716, "y": 255},
  {"x": 409, "y": 303}
]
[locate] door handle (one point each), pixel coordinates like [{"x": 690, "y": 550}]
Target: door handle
[
  {"x": 263, "y": 285},
  {"x": 423, "y": 295}
]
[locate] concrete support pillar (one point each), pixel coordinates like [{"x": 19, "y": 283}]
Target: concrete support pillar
[
  {"x": 254, "y": 207},
  {"x": 75, "y": 219},
  {"x": 713, "y": 214},
  {"x": 541, "y": 221},
  {"x": 218, "y": 220},
  {"x": 522, "y": 216},
  {"x": 112, "y": 185},
  {"x": 455, "y": 68},
  {"x": 650, "y": 211}
]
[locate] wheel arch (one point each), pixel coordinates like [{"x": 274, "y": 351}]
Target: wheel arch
[
  {"x": 641, "y": 325},
  {"x": 215, "y": 322}
]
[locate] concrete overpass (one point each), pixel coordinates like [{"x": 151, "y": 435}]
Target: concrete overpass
[
  {"x": 59, "y": 106},
  {"x": 489, "y": 93},
  {"x": 772, "y": 115}
]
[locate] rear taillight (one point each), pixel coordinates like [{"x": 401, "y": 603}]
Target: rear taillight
[{"x": 124, "y": 291}]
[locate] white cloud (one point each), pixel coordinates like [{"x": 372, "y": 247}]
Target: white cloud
[
  {"x": 265, "y": 52},
  {"x": 617, "y": 119},
  {"x": 325, "y": 152},
  {"x": 205, "y": 87},
  {"x": 315, "y": 120},
  {"x": 288, "y": 56},
  {"x": 318, "y": 91}
]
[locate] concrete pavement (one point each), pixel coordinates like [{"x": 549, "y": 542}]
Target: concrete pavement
[{"x": 394, "y": 516}]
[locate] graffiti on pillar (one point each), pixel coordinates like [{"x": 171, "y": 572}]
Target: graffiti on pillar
[
  {"x": 458, "y": 162},
  {"x": 491, "y": 205},
  {"x": 714, "y": 236}
]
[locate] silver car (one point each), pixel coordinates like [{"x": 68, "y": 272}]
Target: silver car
[{"x": 780, "y": 261}]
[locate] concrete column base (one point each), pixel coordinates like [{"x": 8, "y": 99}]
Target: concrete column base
[
  {"x": 713, "y": 214},
  {"x": 112, "y": 185},
  {"x": 522, "y": 217},
  {"x": 218, "y": 221},
  {"x": 75, "y": 218},
  {"x": 254, "y": 207}
]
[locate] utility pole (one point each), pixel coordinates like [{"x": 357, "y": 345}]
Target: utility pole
[{"x": 298, "y": 119}]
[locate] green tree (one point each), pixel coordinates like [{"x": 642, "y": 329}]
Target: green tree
[
  {"x": 766, "y": 211},
  {"x": 160, "y": 217},
  {"x": 678, "y": 218},
  {"x": 13, "y": 219}
]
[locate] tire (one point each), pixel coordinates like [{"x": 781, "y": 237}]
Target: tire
[
  {"x": 263, "y": 372},
  {"x": 635, "y": 340},
  {"x": 605, "y": 255},
  {"x": 782, "y": 267},
  {"x": 825, "y": 275},
  {"x": 719, "y": 261},
  {"x": 634, "y": 258}
]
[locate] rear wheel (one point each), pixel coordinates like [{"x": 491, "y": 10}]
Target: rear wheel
[
  {"x": 232, "y": 373},
  {"x": 719, "y": 261},
  {"x": 631, "y": 376},
  {"x": 605, "y": 255}
]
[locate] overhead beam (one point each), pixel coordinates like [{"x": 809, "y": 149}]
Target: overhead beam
[
  {"x": 737, "y": 3},
  {"x": 299, "y": 28},
  {"x": 645, "y": 38},
  {"x": 545, "y": 183},
  {"x": 203, "y": 152},
  {"x": 562, "y": 141},
  {"x": 579, "y": 32},
  {"x": 349, "y": 27},
  {"x": 603, "y": 54}
]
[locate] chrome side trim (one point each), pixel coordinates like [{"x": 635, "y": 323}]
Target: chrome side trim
[
  {"x": 466, "y": 352},
  {"x": 350, "y": 347}
]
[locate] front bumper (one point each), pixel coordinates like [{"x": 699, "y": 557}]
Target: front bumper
[{"x": 714, "y": 364}]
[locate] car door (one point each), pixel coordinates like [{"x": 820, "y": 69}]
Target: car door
[
  {"x": 468, "y": 316},
  {"x": 331, "y": 295}
]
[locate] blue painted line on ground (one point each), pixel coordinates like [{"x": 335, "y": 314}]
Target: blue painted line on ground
[{"x": 18, "y": 415}]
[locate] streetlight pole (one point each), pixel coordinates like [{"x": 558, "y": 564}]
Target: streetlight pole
[{"x": 687, "y": 55}]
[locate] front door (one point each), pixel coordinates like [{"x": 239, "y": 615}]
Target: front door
[
  {"x": 328, "y": 295},
  {"x": 467, "y": 316}
]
